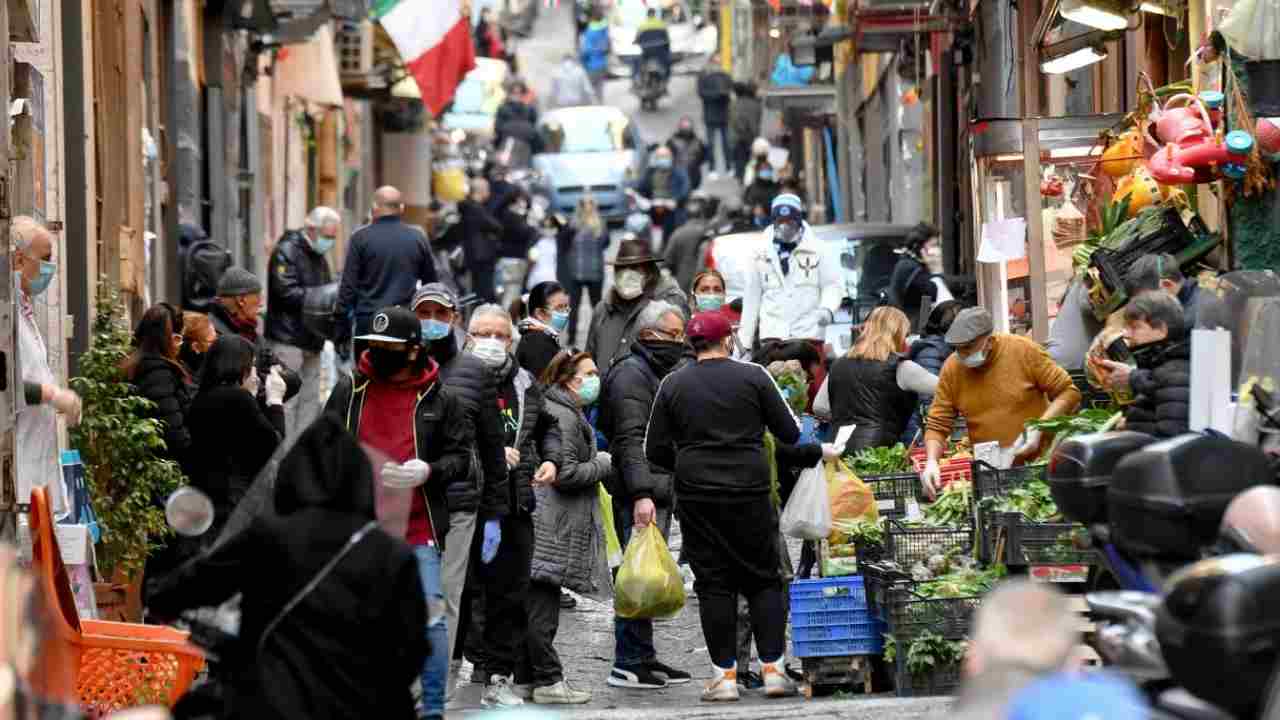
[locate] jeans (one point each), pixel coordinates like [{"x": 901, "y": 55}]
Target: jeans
[
  {"x": 435, "y": 670},
  {"x": 303, "y": 408},
  {"x": 633, "y": 639},
  {"x": 457, "y": 553},
  {"x": 725, "y": 157}
]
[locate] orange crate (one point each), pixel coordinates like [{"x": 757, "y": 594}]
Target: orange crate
[{"x": 952, "y": 470}]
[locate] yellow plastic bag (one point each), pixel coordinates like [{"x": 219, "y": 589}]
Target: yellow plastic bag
[
  {"x": 851, "y": 499},
  {"x": 649, "y": 584},
  {"x": 612, "y": 547}
]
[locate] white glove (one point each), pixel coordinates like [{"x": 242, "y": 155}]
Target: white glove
[
  {"x": 931, "y": 479},
  {"x": 830, "y": 451},
  {"x": 275, "y": 386},
  {"x": 513, "y": 457},
  {"x": 404, "y": 476},
  {"x": 1028, "y": 442},
  {"x": 250, "y": 383},
  {"x": 67, "y": 403},
  {"x": 608, "y": 459}
]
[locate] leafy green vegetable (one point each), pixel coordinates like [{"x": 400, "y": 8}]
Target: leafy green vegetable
[
  {"x": 930, "y": 652},
  {"x": 1032, "y": 500},
  {"x": 860, "y": 532},
  {"x": 952, "y": 506},
  {"x": 880, "y": 461},
  {"x": 1084, "y": 422},
  {"x": 965, "y": 582},
  {"x": 890, "y": 648}
]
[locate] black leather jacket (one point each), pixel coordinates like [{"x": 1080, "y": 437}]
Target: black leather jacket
[
  {"x": 866, "y": 393},
  {"x": 294, "y": 267}
]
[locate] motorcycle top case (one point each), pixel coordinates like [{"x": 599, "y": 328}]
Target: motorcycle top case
[
  {"x": 1167, "y": 499},
  {"x": 1219, "y": 629},
  {"x": 1080, "y": 472}
]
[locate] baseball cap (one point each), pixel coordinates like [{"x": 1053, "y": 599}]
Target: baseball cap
[
  {"x": 713, "y": 326},
  {"x": 786, "y": 207},
  {"x": 971, "y": 324},
  {"x": 436, "y": 293},
  {"x": 1092, "y": 696},
  {"x": 394, "y": 325}
]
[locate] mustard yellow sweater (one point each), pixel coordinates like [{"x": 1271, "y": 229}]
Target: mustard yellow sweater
[{"x": 1016, "y": 384}]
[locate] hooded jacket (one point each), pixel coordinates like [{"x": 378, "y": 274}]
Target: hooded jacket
[
  {"x": 353, "y": 645},
  {"x": 613, "y": 321},
  {"x": 442, "y": 435},
  {"x": 1162, "y": 384},
  {"x": 625, "y": 405},
  {"x": 791, "y": 306},
  {"x": 594, "y": 49}
]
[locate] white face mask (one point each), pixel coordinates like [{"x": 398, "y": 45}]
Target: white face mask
[
  {"x": 490, "y": 350},
  {"x": 630, "y": 284},
  {"x": 975, "y": 360}
]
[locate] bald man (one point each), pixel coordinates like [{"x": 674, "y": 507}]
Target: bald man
[{"x": 386, "y": 260}]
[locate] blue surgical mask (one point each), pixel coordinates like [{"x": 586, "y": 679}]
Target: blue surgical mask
[
  {"x": 40, "y": 282},
  {"x": 662, "y": 163},
  {"x": 762, "y": 221},
  {"x": 559, "y": 321},
  {"x": 322, "y": 244},
  {"x": 590, "y": 390},
  {"x": 434, "y": 329},
  {"x": 709, "y": 302},
  {"x": 765, "y": 174}
]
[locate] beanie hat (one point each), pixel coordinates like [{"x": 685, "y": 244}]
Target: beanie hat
[{"x": 237, "y": 281}]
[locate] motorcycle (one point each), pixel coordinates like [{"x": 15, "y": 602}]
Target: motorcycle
[{"x": 649, "y": 84}]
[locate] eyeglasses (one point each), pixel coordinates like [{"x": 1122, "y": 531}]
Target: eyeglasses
[
  {"x": 677, "y": 336},
  {"x": 490, "y": 336}
]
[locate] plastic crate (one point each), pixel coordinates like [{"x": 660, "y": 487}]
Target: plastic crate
[
  {"x": 944, "y": 681},
  {"x": 1017, "y": 542},
  {"x": 952, "y": 470},
  {"x": 828, "y": 594},
  {"x": 893, "y": 492},
  {"x": 909, "y": 615},
  {"x": 838, "y": 648},
  {"x": 990, "y": 482},
  {"x": 877, "y": 578},
  {"x": 905, "y": 545},
  {"x": 868, "y": 629}
]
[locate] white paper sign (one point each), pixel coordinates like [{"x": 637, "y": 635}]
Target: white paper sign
[
  {"x": 1211, "y": 381},
  {"x": 73, "y": 542},
  {"x": 843, "y": 435},
  {"x": 1003, "y": 240}
]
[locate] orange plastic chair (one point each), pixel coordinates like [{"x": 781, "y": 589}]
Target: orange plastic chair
[{"x": 115, "y": 665}]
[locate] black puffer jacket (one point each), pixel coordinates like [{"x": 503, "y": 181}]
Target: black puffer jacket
[
  {"x": 232, "y": 437},
  {"x": 485, "y": 492},
  {"x": 294, "y": 267},
  {"x": 625, "y": 405},
  {"x": 162, "y": 382},
  {"x": 865, "y": 393},
  {"x": 930, "y": 352},
  {"x": 1162, "y": 384},
  {"x": 537, "y": 437}
]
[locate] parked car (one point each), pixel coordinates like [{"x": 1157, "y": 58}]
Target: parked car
[
  {"x": 867, "y": 255},
  {"x": 477, "y": 99},
  {"x": 692, "y": 38},
  {"x": 593, "y": 149}
]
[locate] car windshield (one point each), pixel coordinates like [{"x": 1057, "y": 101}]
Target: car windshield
[
  {"x": 586, "y": 132},
  {"x": 632, "y": 14}
]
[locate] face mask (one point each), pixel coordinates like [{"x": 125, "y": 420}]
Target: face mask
[
  {"x": 323, "y": 244},
  {"x": 589, "y": 390},
  {"x": 250, "y": 383},
  {"x": 40, "y": 282},
  {"x": 975, "y": 360},
  {"x": 662, "y": 163},
  {"x": 559, "y": 321},
  {"x": 387, "y": 362},
  {"x": 520, "y": 209},
  {"x": 434, "y": 329},
  {"x": 490, "y": 350},
  {"x": 787, "y": 232},
  {"x": 762, "y": 221},
  {"x": 765, "y": 174},
  {"x": 709, "y": 301},
  {"x": 630, "y": 284}
]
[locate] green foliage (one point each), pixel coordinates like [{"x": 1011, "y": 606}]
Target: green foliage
[
  {"x": 879, "y": 461},
  {"x": 890, "y": 649},
  {"x": 120, "y": 445},
  {"x": 1082, "y": 423},
  {"x": 952, "y": 506},
  {"x": 861, "y": 532},
  {"x": 1033, "y": 500},
  {"x": 930, "y": 652}
]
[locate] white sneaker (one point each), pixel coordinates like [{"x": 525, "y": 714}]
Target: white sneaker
[
  {"x": 498, "y": 693},
  {"x": 560, "y": 694},
  {"x": 524, "y": 691},
  {"x": 721, "y": 688},
  {"x": 776, "y": 682}
]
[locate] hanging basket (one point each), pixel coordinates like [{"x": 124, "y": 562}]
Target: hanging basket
[{"x": 1264, "y": 87}]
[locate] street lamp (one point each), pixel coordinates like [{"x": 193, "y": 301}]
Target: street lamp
[{"x": 1075, "y": 53}]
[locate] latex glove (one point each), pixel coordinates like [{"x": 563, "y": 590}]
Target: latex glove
[
  {"x": 67, "y": 403},
  {"x": 546, "y": 474},
  {"x": 824, "y": 317},
  {"x": 513, "y": 457},
  {"x": 275, "y": 386},
  {"x": 643, "y": 512},
  {"x": 808, "y": 430},
  {"x": 931, "y": 479},
  {"x": 492, "y": 539},
  {"x": 250, "y": 383},
  {"x": 404, "y": 476},
  {"x": 1027, "y": 446},
  {"x": 830, "y": 451},
  {"x": 608, "y": 459}
]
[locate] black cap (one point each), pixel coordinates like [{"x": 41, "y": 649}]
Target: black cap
[{"x": 394, "y": 325}]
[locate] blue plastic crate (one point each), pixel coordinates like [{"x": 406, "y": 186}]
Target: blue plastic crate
[
  {"x": 838, "y": 648},
  {"x": 842, "y": 593},
  {"x": 824, "y": 618},
  {"x": 858, "y": 631}
]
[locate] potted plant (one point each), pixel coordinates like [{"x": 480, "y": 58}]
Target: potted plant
[{"x": 120, "y": 445}]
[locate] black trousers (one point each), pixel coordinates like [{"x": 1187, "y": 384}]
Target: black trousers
[
  {"x": 494, "y": 633},
  {"x": 595, "y": 291},
  {"x": 484, "y": 281},
  {"x": 732, "y": 548},
  {"x": 540, "y": 665}
]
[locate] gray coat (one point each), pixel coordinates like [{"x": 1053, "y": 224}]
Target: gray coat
[
  {"x": 613, "y": 322},
  {"x": 568, "y": 535}
]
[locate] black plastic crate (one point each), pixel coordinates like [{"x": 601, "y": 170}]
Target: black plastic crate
[
  {"x": 990, "y": 483},
  {"x": 1017, "y": 542},
  {"x": 905, "y": 545},
  {"x": 909, "y": 615},
  {"x": 877, "y": 578},
  {"x": 943, "y": 681},
  {"x": 893, "y": 492}
]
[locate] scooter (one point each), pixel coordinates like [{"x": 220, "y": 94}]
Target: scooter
[{"x": 649, "y": 83}]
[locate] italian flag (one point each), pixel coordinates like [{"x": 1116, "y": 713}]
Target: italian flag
[{"x": 434, "y": 40}]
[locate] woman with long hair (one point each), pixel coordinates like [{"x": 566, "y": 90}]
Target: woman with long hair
[
  {"x": 544, "y": 319},
  {"x": 580, "y": 248},
  {"x": 153, "y": 368},
  {"x": 875, "y": 387}
]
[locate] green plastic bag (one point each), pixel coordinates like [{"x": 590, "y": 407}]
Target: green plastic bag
[
  {"x": 612, "y": 547},
  {"x": 649, "y": 584}
]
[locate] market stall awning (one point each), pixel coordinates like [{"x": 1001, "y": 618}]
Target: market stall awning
[{"x": 310, "y": 71}]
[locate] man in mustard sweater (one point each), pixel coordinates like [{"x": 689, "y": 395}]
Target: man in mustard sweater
[{"x": 998, "y": 383}]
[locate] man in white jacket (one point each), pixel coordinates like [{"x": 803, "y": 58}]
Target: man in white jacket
[{"x": 794, "y": 285}]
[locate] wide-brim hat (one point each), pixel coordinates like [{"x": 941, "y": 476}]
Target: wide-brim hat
[{"x": 634, "y": 252}]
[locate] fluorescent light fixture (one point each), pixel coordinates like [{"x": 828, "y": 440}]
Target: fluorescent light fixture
[
  {"x": 1170, "y": 10},
  {"x": 1073, "y": 61},
  {"x": 1074, "y": 151},
  {"x": 1095, "y": 14},
  {"x": 1015, "y": 157}
]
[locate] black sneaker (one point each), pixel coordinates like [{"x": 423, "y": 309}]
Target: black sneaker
[
  {"x": 670, "y": 674},
  {"x": 750, "y": 680},
  {"x": 567, "y": 601},
  {"x": 636, "y": 677}
]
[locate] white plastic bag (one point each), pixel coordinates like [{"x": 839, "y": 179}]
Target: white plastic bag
[
  {"x": 808, "y": 512},
  {"x": 1252, "y": 28}
]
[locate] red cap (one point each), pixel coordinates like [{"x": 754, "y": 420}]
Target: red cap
[{"x": 713, "y": 326}]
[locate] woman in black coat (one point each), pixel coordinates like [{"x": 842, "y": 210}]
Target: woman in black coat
[
  {"x": 156, "y": 373},
  {"x": 545, "y": 317},
  {"x": 232, "y": 437}
]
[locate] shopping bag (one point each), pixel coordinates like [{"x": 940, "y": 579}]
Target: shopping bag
[
  {"x": 851, "y": 499},
  {"x": 612, "y": 547},
  {"x": 649, "y": 585},
  {"x": 808, "y": 512}
]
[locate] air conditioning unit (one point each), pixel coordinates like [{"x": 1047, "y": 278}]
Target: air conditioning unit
[{"x": 353, "y": 42}]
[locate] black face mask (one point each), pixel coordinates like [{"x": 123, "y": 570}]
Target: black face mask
[
  {"x": 665, "y": 352},
  {"x": 387, "y": 362}
]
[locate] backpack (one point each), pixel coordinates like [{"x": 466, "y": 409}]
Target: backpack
[{"x": 202, "y": 263}]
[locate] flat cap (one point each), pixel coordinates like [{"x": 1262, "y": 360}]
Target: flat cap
[
  {"x": 237, "y": 281},
  {"x": 971, "y": 324}
]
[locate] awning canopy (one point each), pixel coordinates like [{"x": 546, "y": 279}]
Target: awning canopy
[{"x": 310, "y": 71}]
